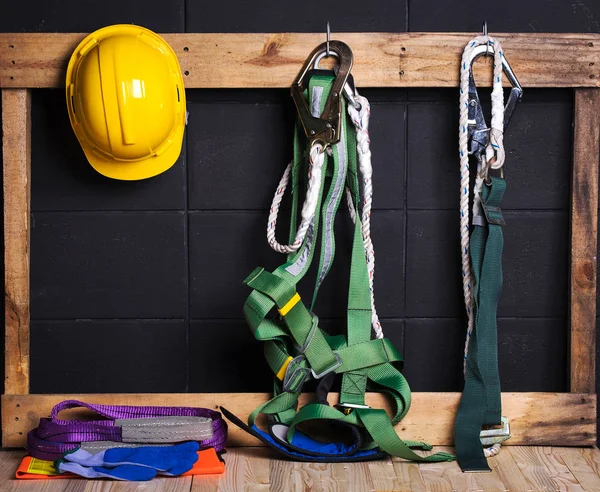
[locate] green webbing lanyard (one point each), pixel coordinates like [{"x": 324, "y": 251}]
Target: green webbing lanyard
[
  {"x": 295, "y": 346},
  {"x": 480, "y": 402}
]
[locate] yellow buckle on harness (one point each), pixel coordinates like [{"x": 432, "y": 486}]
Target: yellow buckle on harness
[
  {"x": 282, "y": 370},
  {"x": 290, "y": 304}
]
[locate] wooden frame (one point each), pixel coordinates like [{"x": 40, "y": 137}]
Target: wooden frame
[{"x": 29, "y": 61}]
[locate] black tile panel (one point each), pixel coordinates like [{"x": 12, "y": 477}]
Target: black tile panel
[
  {"x": 265, "y": 16},
  {"x": 224, "y": 248},
  {"x": 89, "y": 15},
  {"x": 387, "y": 137},
  {"x": 532, "y": 354},
  {"x": 538, "y": 156},
  {"x": 108, "y": 356},
  {"x": 237, "y": 153},
  {"x": 530, "y": 95},
  {"x": 225, "y": 357},
  {"x": 508, "y": 16},
  {"x": 433, "y": 278},
  {"x": 62, "y": 178},
  {"x": 535, "y": 263},
  {"x": 433, "y": 354},
  {"x": 536, "y": 252},
  {"x": 108, "y": 265}
]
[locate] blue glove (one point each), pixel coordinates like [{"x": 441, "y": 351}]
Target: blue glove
[
  {"x": 123, "y": 472},
  {"x": 142, "y": 463}
]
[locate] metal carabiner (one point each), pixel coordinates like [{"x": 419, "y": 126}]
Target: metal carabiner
[
  {"x": 478, "y": 129},
  {"x": 324, "y": 129},
  {"x": 516, "y": 93}
]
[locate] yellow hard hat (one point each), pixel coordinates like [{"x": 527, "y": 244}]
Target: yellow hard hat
[{"x": 126, "y": 102}]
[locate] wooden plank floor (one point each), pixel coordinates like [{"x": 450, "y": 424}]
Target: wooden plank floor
[{"x": 516, "y": 468}]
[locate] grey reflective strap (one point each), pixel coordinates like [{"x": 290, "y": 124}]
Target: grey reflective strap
[
  {"x": 165, "y": 429},
  {"x": 331, "y": 208},
  {"x": 300, "y": 264},
  {"x": 99, "y": 446}
]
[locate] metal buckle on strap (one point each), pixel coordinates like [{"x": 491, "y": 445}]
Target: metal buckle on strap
[
  {"x": 295, "y": 375},
  {"x": 346, "y": 408},
  {"x": 493, "y": 215},
  {"x": 311, "y": 333},
  {"x": 332, "y": 368},
  {"x": 496, "y": 435}
]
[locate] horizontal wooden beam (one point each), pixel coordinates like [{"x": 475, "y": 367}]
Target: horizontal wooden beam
[
  {"x": 36, "y": 60},
  {"x": 552, "y": 419}
]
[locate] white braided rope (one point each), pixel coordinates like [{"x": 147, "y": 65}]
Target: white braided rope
[
  {"x": 494, "y": 157},
  {"x": 492, "y": 451},
  {"x": 360, "y": 120},
  {"x": 315, "y": 169}
]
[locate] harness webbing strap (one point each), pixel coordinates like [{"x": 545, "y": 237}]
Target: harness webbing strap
[{"x": 480, "y": 403}]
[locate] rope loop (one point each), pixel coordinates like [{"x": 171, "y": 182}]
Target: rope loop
[{"x": 315, "y": 171}]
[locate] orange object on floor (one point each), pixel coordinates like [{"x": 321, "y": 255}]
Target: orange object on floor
[
  {"x": 208, "y": 463},
  {"x": 34, "y": 469}
]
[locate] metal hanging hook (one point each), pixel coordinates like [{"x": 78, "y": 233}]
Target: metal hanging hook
[
  {"x": 328, "y": 38},
  {"x": 485, "y": 33}
]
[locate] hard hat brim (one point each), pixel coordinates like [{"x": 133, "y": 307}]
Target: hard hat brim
[{"x": 136, "y": 170}]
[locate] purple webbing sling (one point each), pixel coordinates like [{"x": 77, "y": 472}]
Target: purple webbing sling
[{"x": 54, "y": 437}]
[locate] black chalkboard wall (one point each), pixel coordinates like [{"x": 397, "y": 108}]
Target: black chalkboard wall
[{"x": 137, "y": 287}]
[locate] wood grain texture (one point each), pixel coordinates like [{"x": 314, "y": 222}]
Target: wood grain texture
[
  {"x": 543, "y": 470},
  {"x": 592, "y": 457},
  {"x": 434, "y": 474},
  {"x": 409, "y": 476},
  {"x": 384, "y": 476},
  {"x": 259, "y": 469},
  {"x": 159, "y": 484},
  {"x": 579, "y": 467},
  {"x": 508, "y": 471},
  {"x": 316, "y": 477},
  {"x": 584, "y": 228},
  {"x": 536, "y": 418},
  {"x": 16, "y": 148},
  {"x": 273, "y": 60}
]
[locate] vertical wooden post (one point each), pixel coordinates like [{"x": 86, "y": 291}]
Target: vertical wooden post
[
  {"x": 16, "y": 148},
  {"x": 584, "y": 226}
]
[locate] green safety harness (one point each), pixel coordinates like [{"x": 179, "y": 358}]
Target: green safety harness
[{"x": 296, "y": 348}]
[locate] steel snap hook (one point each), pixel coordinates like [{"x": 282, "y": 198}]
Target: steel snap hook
[{"x": 324, "y": 129}]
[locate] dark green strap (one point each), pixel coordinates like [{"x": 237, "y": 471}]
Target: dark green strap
[{"x": 480, "y": 402}]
